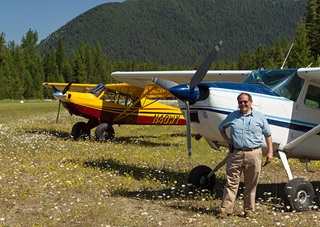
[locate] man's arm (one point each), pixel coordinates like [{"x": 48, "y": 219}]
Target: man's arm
[{"x": 225, "y": 136}]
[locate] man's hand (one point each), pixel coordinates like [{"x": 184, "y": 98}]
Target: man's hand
[{"x": 268, "y": 158}]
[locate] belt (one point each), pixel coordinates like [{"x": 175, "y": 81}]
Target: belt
[{"x": 247, "y": 149}]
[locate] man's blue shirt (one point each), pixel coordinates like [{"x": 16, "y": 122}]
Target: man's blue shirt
[{"x": 246, "y": 130}]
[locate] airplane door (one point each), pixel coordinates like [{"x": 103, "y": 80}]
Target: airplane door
[{"x": 306, "y": 113}]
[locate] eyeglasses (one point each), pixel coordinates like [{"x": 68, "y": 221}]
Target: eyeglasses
[{"x": 245, "y": 102}]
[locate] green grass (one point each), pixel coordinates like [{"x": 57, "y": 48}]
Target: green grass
[{"x": 139, "y": 179}]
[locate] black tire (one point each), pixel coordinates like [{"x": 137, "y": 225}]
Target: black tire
[
  {"x": 104, "y": 132},
  {"x": 77, "y": 131},
  {"x": 299, "y": 194},
  {"x": 197, "y": 173},
  {"x": 198, "y": 137}
]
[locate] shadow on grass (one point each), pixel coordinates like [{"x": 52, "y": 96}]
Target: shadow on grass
[
  {"x": 57, "y": 134},
  {"x": 142, "y": 141},
  {"x": 134, "y": 140},
  {"x": 268, "y": 194},
  {"x": 138, "y": 173}
]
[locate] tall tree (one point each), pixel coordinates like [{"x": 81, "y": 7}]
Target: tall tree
[
  {"x": 62, "y": 61},
  {"x": 300, "y": 54},
  {"x": 313, "y": 28},
  {"x": 31, "y": 55},
  {"x": 245, "y": 59},
  {"x": 261, "y": 57},
  {"x": 3, "y": 76}
]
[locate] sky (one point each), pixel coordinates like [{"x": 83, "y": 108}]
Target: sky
[{"x": 44, "y": 16}]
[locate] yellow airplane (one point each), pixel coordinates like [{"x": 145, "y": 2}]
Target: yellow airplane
[{"x": 106, "y": 105}]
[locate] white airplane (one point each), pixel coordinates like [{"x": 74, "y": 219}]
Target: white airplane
[{"x": 289, "y": 98}]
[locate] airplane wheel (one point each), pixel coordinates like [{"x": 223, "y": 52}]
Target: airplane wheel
[
  {"x": 198, "y": 137},
  {"x": 299, "y": 194},
  {"x": 104, "y": 132},
  {"x": 195, "y": 175},
  {"x": 77, "y": 131}
]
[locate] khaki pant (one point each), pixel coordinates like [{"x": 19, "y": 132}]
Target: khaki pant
[{"x": 248, "y": 162}]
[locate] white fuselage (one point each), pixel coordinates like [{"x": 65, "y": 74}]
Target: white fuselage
[{"x": 286, "y": 118}]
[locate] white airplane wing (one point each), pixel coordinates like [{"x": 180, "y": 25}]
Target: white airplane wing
[
  {"x": 143, "y": 78},
  {"x": 310, "y": 73}
]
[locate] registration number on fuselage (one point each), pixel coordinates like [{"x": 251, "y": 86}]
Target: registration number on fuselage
[{"x": 165, "y": 119}]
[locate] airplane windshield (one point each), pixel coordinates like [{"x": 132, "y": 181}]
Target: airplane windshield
[{"x": 284, "y": 82}]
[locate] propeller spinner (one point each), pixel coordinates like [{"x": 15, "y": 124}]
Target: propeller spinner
[{"x": 189, "y": 93}]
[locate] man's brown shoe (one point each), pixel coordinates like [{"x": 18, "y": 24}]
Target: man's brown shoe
[
  {"x": 248, "y": 214},
  {"x": 222, "y": 215}
]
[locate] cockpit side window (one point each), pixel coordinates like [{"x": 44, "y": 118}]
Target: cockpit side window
[
  {"x": 119, "y": 98},
  {"x": 284, "y": 82},
  {"x": 312, "y": 98}
]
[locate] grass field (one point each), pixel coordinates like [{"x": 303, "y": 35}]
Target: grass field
[{"x": 139, "y": 179}]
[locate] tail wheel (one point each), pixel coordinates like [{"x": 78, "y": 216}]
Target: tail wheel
[
  {"x": 77, "y": 131},
  {"x": 104, "y": 132},
  {"x": 197, "y": 178},
  {"x": 299, "y": 194}
]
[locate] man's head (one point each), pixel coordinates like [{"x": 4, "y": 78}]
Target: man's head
[{"x": 245, "y": 102}]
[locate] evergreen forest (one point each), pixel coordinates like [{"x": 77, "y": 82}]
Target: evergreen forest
[
  {"x": 179, "y": 31},
  {"x": 24, "y": 67}
]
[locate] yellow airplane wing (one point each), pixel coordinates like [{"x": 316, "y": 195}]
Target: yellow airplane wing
[
  {"x": 151, "y": 91},
  {"x": 74, "y": 87}
]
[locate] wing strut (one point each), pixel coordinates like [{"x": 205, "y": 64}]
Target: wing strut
[
  {"x": 302, "y": 138},
  {"x": 292, "y": 145}
]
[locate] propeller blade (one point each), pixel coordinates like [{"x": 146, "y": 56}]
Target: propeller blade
[
  {"x": 67, "y": 88},
  {"x": 204, "y": 67},
  {"x": 165, "y": 84},
  {"x": 58, "y": 112},
  {"x": 188, "y": 128}
]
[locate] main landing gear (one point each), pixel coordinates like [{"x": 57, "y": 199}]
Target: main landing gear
[
  {"x": 202, "y": 177},
  {"x": 299, "y": 194},
  {"x": 103, "y": 132},
  {"x": 199, "y": 178}
]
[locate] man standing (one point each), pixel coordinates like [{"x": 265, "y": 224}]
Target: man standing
[{"x": 246, "y": 129}]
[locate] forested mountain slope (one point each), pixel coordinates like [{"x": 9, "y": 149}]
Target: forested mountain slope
[{"x": 180, "y": 31}]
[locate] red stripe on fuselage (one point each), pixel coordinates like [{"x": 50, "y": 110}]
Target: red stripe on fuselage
[{"x": 109, "y": 116}]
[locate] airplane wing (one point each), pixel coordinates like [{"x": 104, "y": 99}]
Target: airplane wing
[
  {"x": 137, "y": 83},
  {"x": 74, "y": 87},
  {"x": 151, "y": 91},
  {"x": 126, "y": 89},
  {"x": 143, "y": 78},
  {"x": 310, "y": 73}
]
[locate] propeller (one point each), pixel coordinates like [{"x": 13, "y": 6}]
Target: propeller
[
  {"x": 60, "y": 95},
  {"x": 67, "y": 88},
  {"x": 166, "y": 84},
  {"x": 189, "y": 93},
  {"x": 204, "y": 67}
]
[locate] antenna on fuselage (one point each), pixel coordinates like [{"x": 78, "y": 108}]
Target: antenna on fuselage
[{"x": 287, "y": 56}]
